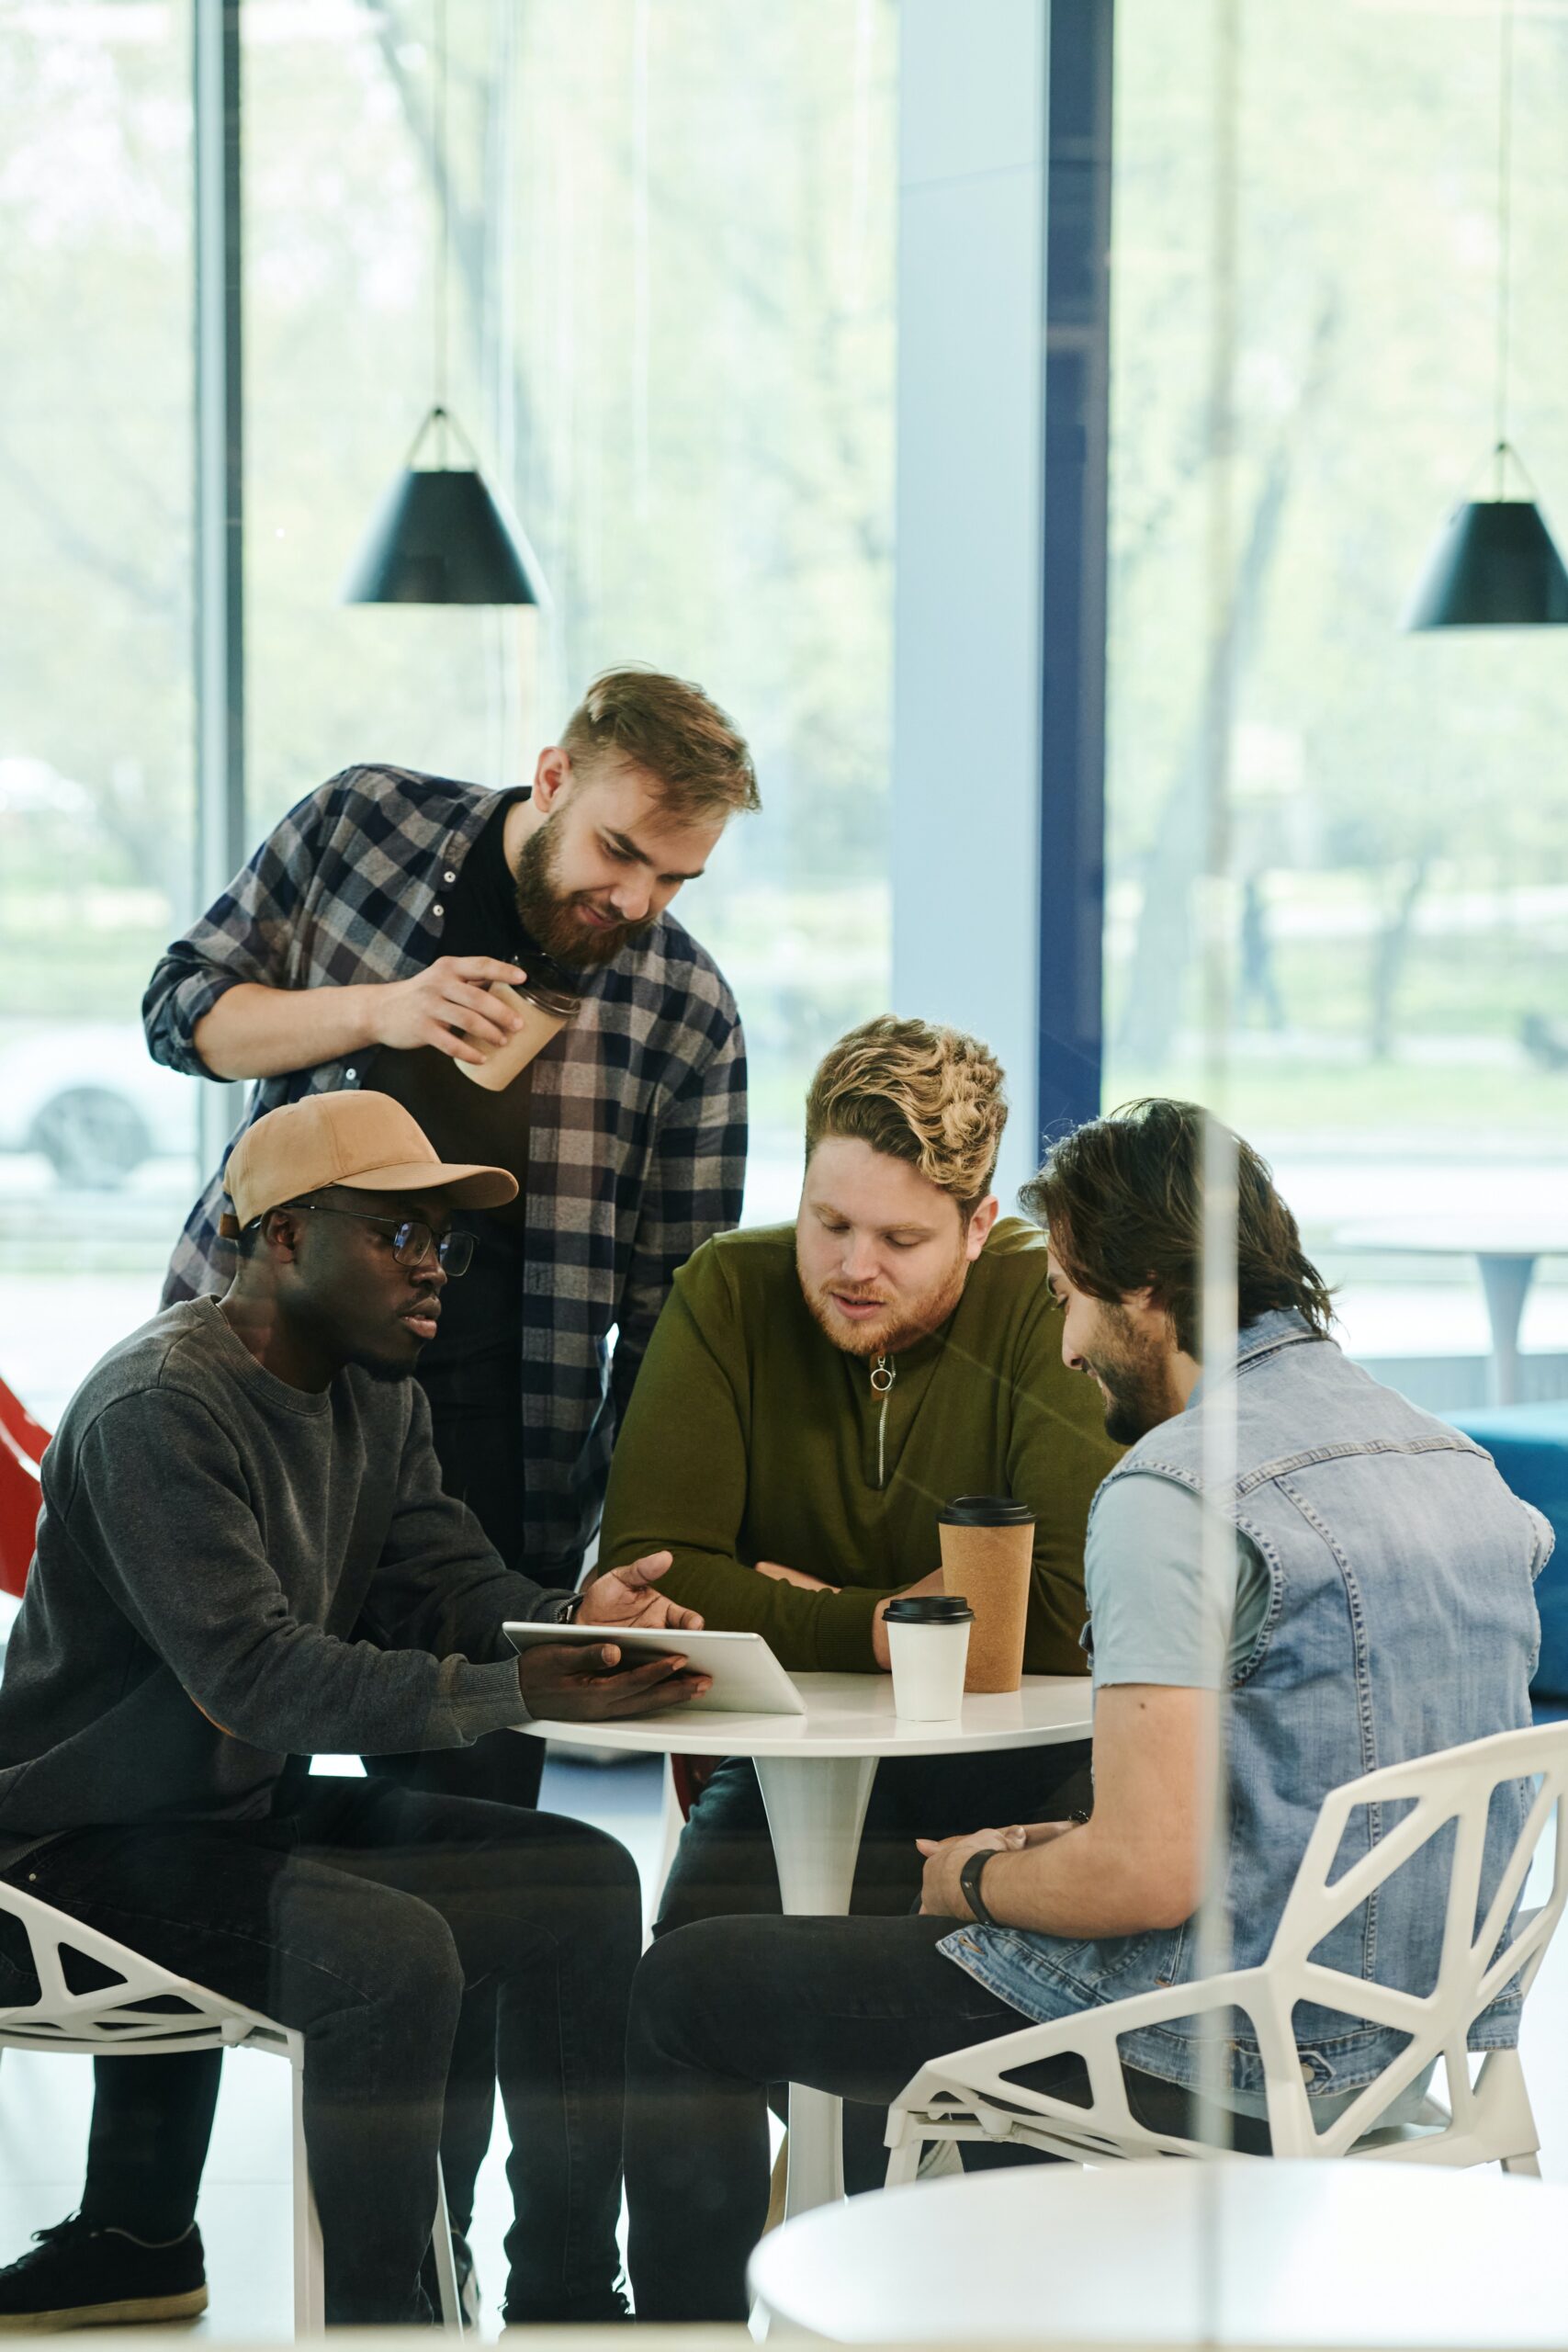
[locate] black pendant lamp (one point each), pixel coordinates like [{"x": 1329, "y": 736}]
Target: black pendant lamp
[
  {"x": 439, "y": 537},
  {"x": 1496, "y": 565}
]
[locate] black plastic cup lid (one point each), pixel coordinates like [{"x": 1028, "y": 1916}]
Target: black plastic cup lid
[
  {"x": 930, "y": 1609},
  {"x": 549, "y": 985},
  {"x": 985, "y": 1510}
]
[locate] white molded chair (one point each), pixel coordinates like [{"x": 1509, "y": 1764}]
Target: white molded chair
[
  {"x": 974, "y": 2095},
  {"x": 118, "y": 2020}
]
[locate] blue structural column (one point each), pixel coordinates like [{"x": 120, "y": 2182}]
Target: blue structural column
[
  {"x": 967, "y": 691},
  {"x": 1076, "y": 433},
  {"x": 999, "y": 597}
]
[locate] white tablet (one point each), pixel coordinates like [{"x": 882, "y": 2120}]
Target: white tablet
[{"x": 747, "y": 1678}]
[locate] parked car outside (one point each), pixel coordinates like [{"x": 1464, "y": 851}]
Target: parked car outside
[{"x": 87, "y": 1097}]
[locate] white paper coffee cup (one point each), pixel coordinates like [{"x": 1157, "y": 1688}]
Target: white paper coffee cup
[{"x": 928, "y": 1640}]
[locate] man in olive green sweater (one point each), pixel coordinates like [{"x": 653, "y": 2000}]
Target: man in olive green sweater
[{"x": 812, "y": 1395}]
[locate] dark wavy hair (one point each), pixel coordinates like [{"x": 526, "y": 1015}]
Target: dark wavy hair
[{"x": 1121, "y": 1199}]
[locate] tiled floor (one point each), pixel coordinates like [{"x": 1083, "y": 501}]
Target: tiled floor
[{"x": 244, "y": 2208}]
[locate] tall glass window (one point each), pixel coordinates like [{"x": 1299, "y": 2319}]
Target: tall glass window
[
  {"x": 1398, "y": 885},
  {"x": 670, "y": 278},
  {"x": 96, "y": 1144}
]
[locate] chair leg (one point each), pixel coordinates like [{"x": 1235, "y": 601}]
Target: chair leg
[
  {"x": 1523, "y": 2167},
  {"x": 310, "y": 2271},
  {"x": 672, "y": 1821},
  {"x": 451, "y": 2313},
  {"x": 904, "y": 2161},
  {"x": 309, "y": 2275}
]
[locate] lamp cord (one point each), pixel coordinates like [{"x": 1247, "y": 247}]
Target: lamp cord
[
  {"x": 443, "y": 176},
  {"x": 1504, "y": 222}
]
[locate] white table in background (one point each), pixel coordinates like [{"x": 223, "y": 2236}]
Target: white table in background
[
  {"x": 1341, "y": 2256},
  {"x": 1505, "y": 1250},
  {"x": 815, "y": 1772}
]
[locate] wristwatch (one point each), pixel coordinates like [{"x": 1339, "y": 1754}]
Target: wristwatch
[
  {"x": 567, "y": 1613},
  {"x": 969, "y": 1885}
]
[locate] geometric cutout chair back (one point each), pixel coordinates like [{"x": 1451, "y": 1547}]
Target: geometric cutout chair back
[
  {"x": 976, "y": 2094},
  {"x": 141, "y": 2005},
  {"x": 1449, "y": 1796}
]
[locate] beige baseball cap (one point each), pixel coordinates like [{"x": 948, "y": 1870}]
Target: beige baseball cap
[{"x": 365, "y": 1141}]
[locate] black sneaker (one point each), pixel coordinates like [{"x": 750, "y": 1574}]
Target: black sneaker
[{"x": 79, "y": 2276}]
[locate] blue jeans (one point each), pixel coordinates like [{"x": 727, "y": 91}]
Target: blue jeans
[{"x": 361, "y": 1918}]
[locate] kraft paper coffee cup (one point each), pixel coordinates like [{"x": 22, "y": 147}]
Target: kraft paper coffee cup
[
  {"x": 545, "y": 1009},
  {"x": 928, "y": 1639},
  {"x": 988, "y": 1549}
]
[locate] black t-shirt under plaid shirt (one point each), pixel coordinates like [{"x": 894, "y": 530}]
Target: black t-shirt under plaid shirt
[
  {"x": 477, "y": 1349},
  {"x": 637, "y": 1119}
]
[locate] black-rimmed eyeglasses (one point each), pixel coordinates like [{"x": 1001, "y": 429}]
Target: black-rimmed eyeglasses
[{"x": 413, "y": 1239}]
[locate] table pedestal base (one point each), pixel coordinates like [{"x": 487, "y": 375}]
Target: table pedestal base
[
  {"x": 1505, "y": 1281},
  {"x": 816, "y": 1809}
]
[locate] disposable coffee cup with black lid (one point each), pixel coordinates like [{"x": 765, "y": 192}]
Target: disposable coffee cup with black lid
[
  {"x": 544, "y": 1003},
  {"x": 928, "y": 1641},
  {"x": 987, "y": 1548}
]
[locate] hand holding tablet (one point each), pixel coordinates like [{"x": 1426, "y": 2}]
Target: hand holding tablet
[
  {"x": 594, "y": 1681},
  {"x": 729, "y": 1673}
]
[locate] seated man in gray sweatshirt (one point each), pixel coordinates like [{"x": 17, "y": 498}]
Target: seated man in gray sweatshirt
[{"x": 246, "y": 1555}]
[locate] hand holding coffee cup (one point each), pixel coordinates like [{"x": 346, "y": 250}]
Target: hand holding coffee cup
[
  {"x": 539, "y": 1005},
  {"x": 452, "y": 1005},
  {"x": 987, "y": 1556}
]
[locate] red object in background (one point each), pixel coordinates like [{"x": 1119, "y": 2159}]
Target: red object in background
[
  {"x": 691, "y": 1775},
  {"x": 22, "y": 1442}
]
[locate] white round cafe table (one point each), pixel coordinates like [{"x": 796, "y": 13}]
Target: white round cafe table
[
  {"x": 815, "y": 1772},
  {"x": 1348, "y": 2255}
]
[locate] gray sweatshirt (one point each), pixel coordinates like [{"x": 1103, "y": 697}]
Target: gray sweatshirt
[{"x": 230, "y": 1572}]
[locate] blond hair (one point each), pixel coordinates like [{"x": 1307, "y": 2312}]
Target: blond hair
[
  {"x": 928, "y": 1095},
  {"x": 693, "y": 748}
]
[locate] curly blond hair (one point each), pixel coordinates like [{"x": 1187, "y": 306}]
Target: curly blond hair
[{"x": 928, "y": 1095}]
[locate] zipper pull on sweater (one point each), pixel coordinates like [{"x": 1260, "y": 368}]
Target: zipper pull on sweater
[{"x": 883, "y": 1373}]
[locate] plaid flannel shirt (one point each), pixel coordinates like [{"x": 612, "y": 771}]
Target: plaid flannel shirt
[{"x": 636, "y": 1139}]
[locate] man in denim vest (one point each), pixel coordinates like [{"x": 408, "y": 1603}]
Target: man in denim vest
[{"x": 1378, "y": 1605}]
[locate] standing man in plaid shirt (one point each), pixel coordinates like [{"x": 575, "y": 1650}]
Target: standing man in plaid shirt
[{"x": 357, "y": 949}]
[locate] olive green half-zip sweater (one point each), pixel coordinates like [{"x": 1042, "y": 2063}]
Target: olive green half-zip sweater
[{"x": 749, "y": 1436}]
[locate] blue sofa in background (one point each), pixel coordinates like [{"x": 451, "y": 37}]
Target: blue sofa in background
[{"x": 1530, "y": 1445}]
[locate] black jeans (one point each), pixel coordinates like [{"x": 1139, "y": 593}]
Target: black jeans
[
  {"x": 477, "y": 1433},
  {"x": 724, "y": 1865},
  {"x": 852, "y": 2007},
  {"x": 362, "y": 1919}
]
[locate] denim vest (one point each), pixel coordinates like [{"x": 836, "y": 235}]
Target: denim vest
[{"x": 1400, "y": 1620}]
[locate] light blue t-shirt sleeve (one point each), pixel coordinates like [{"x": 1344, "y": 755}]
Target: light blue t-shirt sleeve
[{"x": 1151, "y": 1617}]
